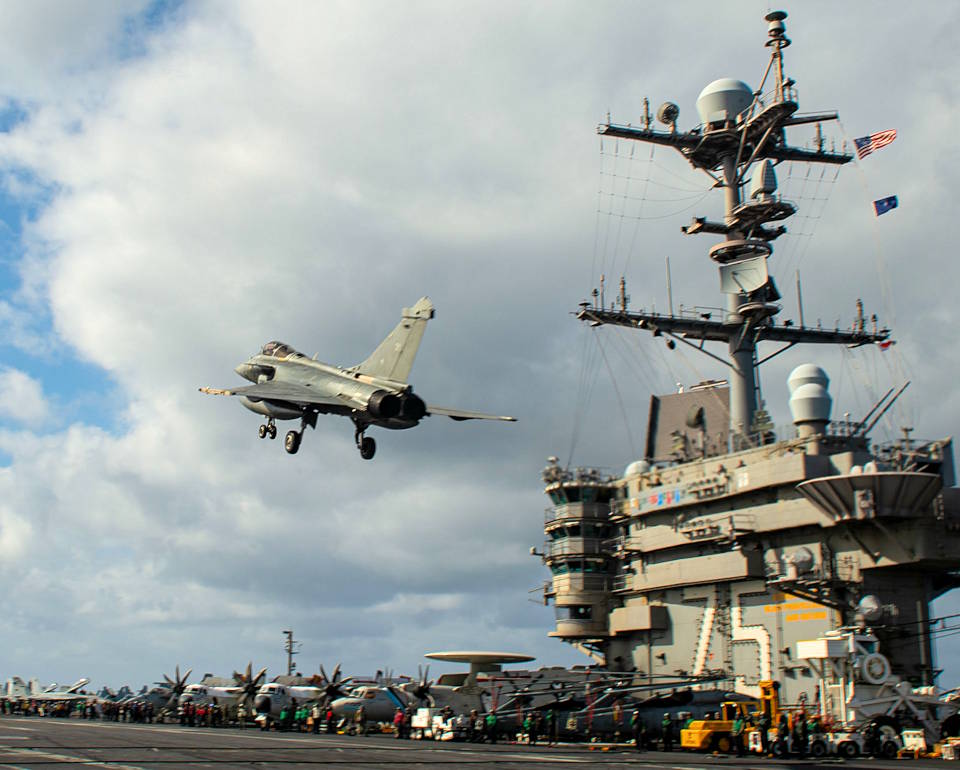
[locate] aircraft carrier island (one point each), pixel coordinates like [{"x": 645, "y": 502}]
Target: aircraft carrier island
[{"x": 730, "y": 547}]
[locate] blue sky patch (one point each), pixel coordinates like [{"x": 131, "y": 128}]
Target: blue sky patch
[{"x": 138, "y": 28}]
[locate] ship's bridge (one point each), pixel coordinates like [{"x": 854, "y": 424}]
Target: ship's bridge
[{"x": 578, "y": 528}]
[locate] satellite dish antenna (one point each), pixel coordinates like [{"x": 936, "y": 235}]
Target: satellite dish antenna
[{"x": 668, "y": 114}]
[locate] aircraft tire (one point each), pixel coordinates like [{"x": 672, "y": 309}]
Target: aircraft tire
[
  {"x": 262, "y": 432},
  {"x": 272, "y": 431},
  {"x": 368, "y": 448},
  {"x": 291, "y": 442},
  {"x": 818, "y": 749},
  {"x": 889, "y": 750},
  {"x": 848, "y": 750}
]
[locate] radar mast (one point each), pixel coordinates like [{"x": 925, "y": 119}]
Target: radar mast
[{"x": 740, "y": 130}]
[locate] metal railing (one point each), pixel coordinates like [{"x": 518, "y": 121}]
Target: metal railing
[
  {"x": 574, "y": 546},
  {"x": 571, "y": 583},
  {"x": 567, "y": 511}
]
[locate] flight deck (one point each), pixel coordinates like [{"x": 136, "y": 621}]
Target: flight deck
[{"x": 31, "y": 742}]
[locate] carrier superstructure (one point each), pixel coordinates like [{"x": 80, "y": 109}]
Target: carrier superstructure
[{"x": 728, "y": 543}]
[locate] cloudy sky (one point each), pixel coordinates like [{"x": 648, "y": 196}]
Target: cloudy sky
[{"x": 180, "y": 183}]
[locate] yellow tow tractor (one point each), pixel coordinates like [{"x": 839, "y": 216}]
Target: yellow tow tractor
[{"x": 717, "y": 734}]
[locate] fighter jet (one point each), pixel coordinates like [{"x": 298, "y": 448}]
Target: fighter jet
[
  {"x": 15, "y": 688},
  {"x": 288, "y": 385}
]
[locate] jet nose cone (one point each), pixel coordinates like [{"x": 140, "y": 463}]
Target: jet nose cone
[
  {"x": 262, "y": 704},
  {"x": 247, "y": 371}
]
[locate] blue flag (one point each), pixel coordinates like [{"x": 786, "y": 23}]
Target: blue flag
[{"x": 885, "y": 204}]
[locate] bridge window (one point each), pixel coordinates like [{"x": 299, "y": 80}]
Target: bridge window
[{"x": 577, "y": 612}]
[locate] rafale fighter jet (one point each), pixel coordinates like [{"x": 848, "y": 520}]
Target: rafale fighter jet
[{"x": 289, "y": 386}]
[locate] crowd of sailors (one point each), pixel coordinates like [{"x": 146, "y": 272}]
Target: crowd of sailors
[
  {"x": 134, "y": 711},
  {"x": 532, "y": 727}
]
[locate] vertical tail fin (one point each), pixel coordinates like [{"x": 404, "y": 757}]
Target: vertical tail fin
[{"x": 393, "y": 358}]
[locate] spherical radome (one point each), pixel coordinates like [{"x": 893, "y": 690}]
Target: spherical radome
[
  {"x": 723, "y": 99},
  {"x": 805, "y": 374}
]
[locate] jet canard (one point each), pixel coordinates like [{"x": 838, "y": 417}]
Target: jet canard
[{"x": 287, "y": 385}]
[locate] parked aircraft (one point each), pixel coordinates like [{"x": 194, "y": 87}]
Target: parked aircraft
[
  {"x": 244, "y": 690},
  {"x": 380, "y": 702},
  {"x": 272, "y": 698},
  {"x": 289, "y": 386},
  {"x": 165, "y": 694},
  {"x": 15, "y": 688}
]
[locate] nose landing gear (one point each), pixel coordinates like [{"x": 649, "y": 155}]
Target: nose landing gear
[{"x": 268, "y": 429}]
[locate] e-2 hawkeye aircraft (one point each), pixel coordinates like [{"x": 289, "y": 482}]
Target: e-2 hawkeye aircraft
[{"x": 289, "y": 386}]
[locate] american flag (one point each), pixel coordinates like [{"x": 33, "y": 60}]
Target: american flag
[{"x": 867, "y": 144}]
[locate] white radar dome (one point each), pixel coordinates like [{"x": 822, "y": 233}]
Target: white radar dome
[
  {"x": 763, "y": 182},
  {"x": 871, "y": 608},
  {"x": 636, "y": 468},
  {"x": 723, "y": 100},
  {"x": 810, "y": 403},
  {"x": 805, "y": 374},
  {"x": 803, "y": 559}
]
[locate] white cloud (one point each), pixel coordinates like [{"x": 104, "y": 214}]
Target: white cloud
[
  {"x": 21, "y": 397},
  {"x": 303, "y": 174}
]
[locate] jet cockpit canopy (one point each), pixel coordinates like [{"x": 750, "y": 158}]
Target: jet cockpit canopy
[{"x": 277, "y": 349}]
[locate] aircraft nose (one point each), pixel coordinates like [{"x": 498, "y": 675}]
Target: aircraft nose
[
  {"x": 262, "y": 704},
  {"x": 344, "y": 706}
]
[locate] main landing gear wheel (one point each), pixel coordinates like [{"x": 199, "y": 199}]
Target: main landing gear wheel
[
  {"x": 368, "y": 448},
  {"x": 291, "y": 442}
]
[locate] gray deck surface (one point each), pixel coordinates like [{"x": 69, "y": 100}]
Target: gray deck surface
[{"x": 31, "y": 742}]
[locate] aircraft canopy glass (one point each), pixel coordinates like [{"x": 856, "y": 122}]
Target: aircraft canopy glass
[{"x": 278, "y": 350}]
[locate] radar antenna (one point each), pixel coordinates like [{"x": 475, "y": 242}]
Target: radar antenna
[{"x": 740, "y": 129}]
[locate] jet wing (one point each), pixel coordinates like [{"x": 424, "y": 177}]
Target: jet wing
[
  {"x": 460, "y": 414},
  {"x": 278, "y": 391}
]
